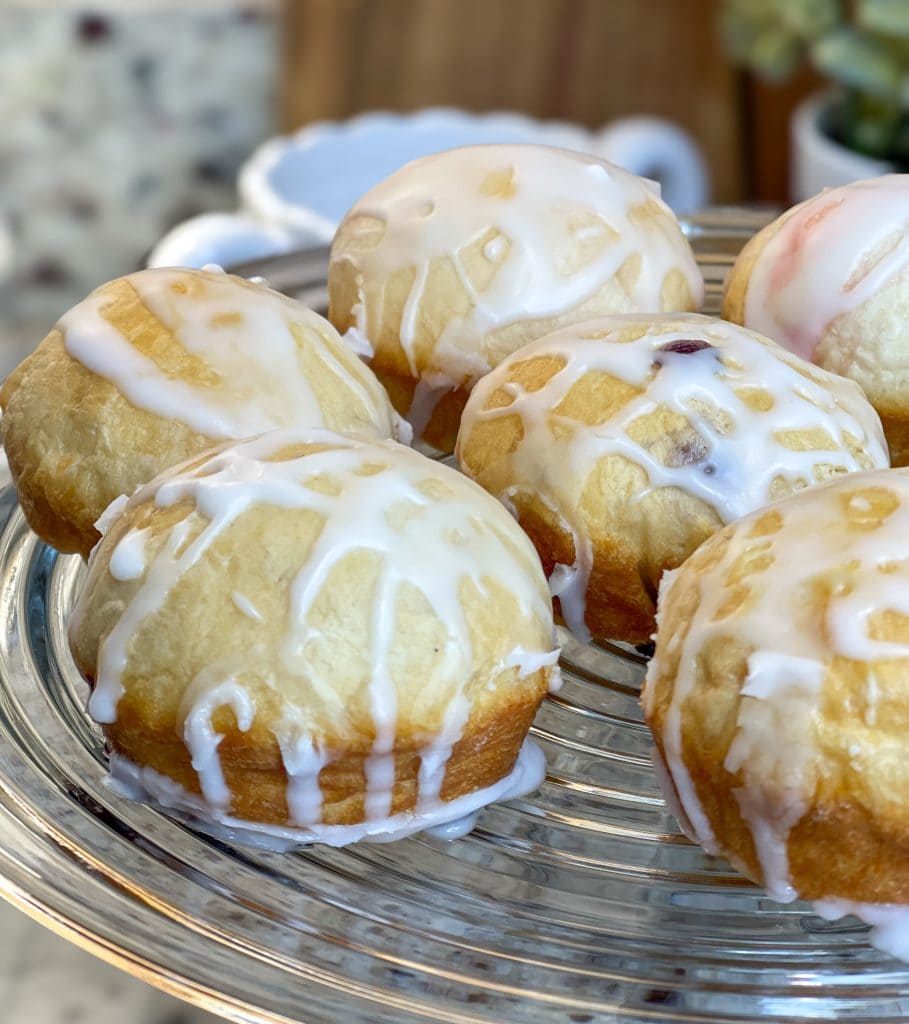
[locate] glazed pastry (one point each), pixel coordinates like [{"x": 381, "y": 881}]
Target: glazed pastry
[
  {"x": 460, "y": 258},
  {"x": 317, "y": 637},
  {"x": 777, "y": 698},
  {"x": 622, "y": 443},
  {"x": 156, "y": 367},
  {"x": 830, "y": 281}
]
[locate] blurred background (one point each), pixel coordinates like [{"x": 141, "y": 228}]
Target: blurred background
[{"x": 122, "y": 118}]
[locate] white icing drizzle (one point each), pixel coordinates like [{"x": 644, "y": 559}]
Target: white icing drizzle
[
  {"x": 104, "y": 522},
  {"x": 430, "y": 390},
  {"x": 199, "y": 734},
  {"x": 832, "y": 253},
  {"x": 495, "y": 249},
  {"x": 242, "y": 333},
  {"x": 563, "y": 225},
  {"x": 434, "y": 758},
  {"x": 303, "y": 760},
  {"x": 777, "y": 685},
  {"x": 128, "y": 559},
  {"x": 355, "y": 336},
  {"x": 403, "y": 432},
  {"x": 243, "y": 604},
  {"x": 358, "y": 343},
  {"x": 112, "y": 656},
  {"x": 445, "y": 820},
  {"x": 383, "y": 700},
  {"x": 111, "y": 514},
  {"x": 774, "y": 746},
  {"x": 871, "y": 696},
  {"x": 569, "y": 583},
  {"x": 743, "y": 447},
  {"x": 527, "y": 663},
  {"x": 889, "y": 922},
  {"x": 380, "y": 497}
]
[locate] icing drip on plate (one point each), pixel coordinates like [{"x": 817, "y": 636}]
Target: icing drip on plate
[
  {"x": 829, "y": 256},
  {"x": 552, "y": 226},
  {"x": 444, "y": 820},
  {"x": 889, "y": 923},
  {"x": 749, "y": 403},
  {"x": 851, "y": 536},
  {"x": 244, "y": 342},
  {"x": 432, "y": 531}
]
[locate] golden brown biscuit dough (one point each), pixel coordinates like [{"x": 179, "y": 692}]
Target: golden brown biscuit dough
[
  {"x": 777, "y": 694},
  {"x": 304, "y": 592},
  {"x": 461, "y": 258},
  {"x": 156, "y": 367},
  {"x": 622, "y": 443}
]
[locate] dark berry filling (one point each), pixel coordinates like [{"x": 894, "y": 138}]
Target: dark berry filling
[{"x": 685, "y": 346}]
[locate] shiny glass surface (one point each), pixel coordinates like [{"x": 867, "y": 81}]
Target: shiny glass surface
[{"x": 579, "y": 903}]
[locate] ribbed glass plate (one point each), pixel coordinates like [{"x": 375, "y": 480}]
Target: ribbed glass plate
[{"x": 579, "y": 903}]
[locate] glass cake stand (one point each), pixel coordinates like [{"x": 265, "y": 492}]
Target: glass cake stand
[{"x": 580, "y": 903}]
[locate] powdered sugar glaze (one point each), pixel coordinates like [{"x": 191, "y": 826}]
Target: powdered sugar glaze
[
  {"x": 378, "y": 497},
  {"x": 712, "y": 381},
  {"x": 243, "y": 343},
  {"x": 831, "y": 254},
  {"x": 553, "y": 227}
]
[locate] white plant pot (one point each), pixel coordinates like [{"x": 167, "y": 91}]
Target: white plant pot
[{"x": 818, "y": 162}]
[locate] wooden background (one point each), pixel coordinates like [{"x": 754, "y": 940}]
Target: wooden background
[{"x": 580, "y": 60}]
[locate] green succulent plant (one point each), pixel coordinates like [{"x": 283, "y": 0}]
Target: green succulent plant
[{"x": 862, "y": 46}]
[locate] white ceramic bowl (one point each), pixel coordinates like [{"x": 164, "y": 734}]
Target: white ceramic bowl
[{"x": 294, "y": 190}]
